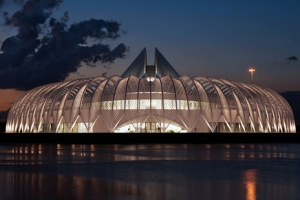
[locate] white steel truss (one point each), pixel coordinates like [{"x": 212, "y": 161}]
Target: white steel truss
[{"x": 223, "y": 105}]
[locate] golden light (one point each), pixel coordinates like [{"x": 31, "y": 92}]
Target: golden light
[
  {"x": 252, "y": 70},
  {"x": 250, "y": 181}
]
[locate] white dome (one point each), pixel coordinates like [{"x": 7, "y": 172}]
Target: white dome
[{"x": 196, "y": 104}]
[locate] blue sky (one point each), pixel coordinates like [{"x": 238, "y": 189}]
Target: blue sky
[
  {"x": 217, "y": 38},
  {"x": 208, "y": 38}
]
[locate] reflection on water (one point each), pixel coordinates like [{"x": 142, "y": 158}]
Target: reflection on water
[
  {"x": 158, "y": 171},
  {"x": 250, "y": 184},
  {"x": 31, "y": 153},
  {"x": 43, "y": 186}
]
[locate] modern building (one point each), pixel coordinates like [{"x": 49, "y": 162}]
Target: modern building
[{"x": 150, "y": 98}]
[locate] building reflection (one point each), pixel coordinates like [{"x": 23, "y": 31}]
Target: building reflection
[
  {"x": 35, "y": 153},
  {"x": 135, "y": 180},
  {"x": 23, "y": 185},
  {"x": 42, "y": 186}
]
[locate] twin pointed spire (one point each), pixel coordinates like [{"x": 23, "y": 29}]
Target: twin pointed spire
[{"x": 140, "y": 69}]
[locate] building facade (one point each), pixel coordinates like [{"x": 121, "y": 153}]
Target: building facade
[{"x": 150, "y": 98}]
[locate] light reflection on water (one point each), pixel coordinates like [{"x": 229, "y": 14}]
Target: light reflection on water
[
  {"x": 44, "y": 186},
  {"x": 250, "y": 183},
  {"x": 158, "y": 171}
]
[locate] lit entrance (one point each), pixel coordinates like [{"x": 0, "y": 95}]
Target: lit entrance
[{"x": 150, "y": 126}]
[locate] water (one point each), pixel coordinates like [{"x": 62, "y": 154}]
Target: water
[{"x": 161, "y": 171}]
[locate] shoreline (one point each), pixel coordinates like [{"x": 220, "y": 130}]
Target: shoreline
[{"x": 148, "y": 138}]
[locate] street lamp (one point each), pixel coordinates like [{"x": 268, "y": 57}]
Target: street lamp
[{"x": 252, "y": 70}]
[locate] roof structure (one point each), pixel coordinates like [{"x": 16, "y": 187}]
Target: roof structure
[
  {"x": 140, "y": 69},
  {"x": 138, "y": 66},
  {"x": 150, "y": 98},
  {"x": 163, "y": 67}
]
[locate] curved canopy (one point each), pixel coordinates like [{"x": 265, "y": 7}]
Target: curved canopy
[{"x": 186, "y": 101}]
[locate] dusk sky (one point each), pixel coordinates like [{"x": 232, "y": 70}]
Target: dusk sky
[{"x": 220, "y": 39}]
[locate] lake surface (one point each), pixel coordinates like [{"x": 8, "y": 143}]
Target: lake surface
[{"x": 158, "y": 171}]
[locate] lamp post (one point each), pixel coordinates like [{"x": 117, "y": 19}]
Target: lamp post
[{"x": 252, "y": 70}]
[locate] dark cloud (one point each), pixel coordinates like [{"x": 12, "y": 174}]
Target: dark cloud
[
  {"x": 292, "y": 58},
  {"x": 6, "y": 1},
  {"x": 31, "y": 58},
  {"x": 104, "y": 74}
]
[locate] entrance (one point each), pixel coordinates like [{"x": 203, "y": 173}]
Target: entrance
[{"x": 151, "y": 127}]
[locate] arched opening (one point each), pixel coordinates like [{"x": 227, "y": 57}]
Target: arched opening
[{"x": 150, "y": 125}]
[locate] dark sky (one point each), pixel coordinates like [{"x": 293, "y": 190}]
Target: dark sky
[
  {"x": 211, "y": 38},
  {"x": 217, "y": 38}
]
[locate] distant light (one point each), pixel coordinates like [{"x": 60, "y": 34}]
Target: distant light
[{"x": 252, "y": 70}]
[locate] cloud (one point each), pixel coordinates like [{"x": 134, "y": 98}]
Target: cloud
[
  {"x": 6, "y": 1},
  {"x": 104, "y": 74},
  {"x": 292, "y": 58},
  {"x": 32, "y": 58}
]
